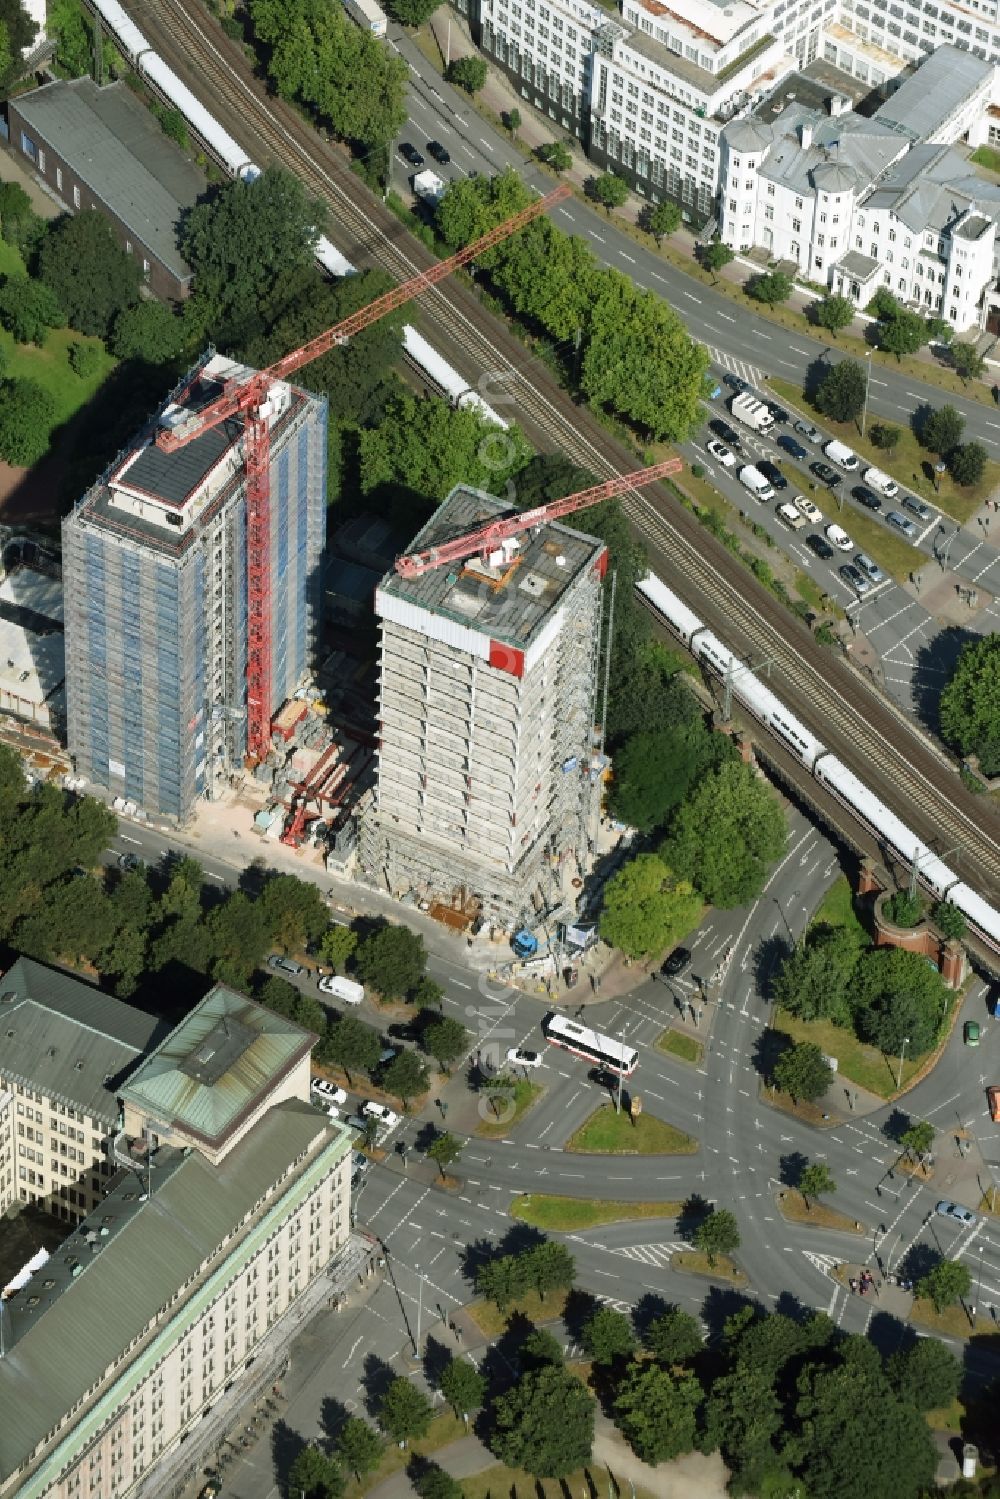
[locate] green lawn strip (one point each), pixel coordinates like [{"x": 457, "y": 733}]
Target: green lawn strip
[
  {"x": 677, "y": 1044},
  {"x": 49, "y": 367},
  {"x": 947, "y": 1417},
  {"x": 953, "y": 1322},
  {"x": 859, "y": 1063},
  {"x": 985, "y": 156},
  {"x": 445, "y": 1428},
  {"x": 563, "y": 1215},
  {"x": 608, "y": 1132},
  {"x": 836, "y": 909},
  {"x": 526, "y": 1094},
  {"x": 796, "y": 1209},
  {"x": 492, "y": 1322},
  {"x": 693, "y": 1262},
  {"x": 513, "y": 1483},
  {"x": 11, "y": 263},
  {"x": 905, "y": 464}
]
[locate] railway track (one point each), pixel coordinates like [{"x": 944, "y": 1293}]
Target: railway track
[{"x": 904, "y": 767}]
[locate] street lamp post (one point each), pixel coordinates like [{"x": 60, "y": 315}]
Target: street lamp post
[
  {"x": 902, "y": 1053},
  {"x": 868, "y": 381}
]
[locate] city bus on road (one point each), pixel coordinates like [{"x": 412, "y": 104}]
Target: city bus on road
[{"x": 604, "y": 1051}]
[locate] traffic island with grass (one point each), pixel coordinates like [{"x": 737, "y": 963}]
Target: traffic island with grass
[
  {"x": 795, "y": 1208},
  {"x": 525, "y": 1095},
  {"x": 685, "y": 1048},
  {"x": 857, "y": 1061},
  {"x": 799, "y": 1108},
  {"x": 565, "y": 1215},
  {"x": 492, "y": 1322},
  {"x": 608, "y": 1132},
  {"x": 953, "y": 1321},
  {"x": 694, "y": 1262}
]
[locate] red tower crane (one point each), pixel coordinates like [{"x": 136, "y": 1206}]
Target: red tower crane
[
  {"x": 485, "y": 539},
  {"x": 247, "y": 398}
]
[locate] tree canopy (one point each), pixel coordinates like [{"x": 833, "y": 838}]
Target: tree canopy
[
  {"x": 927, "y": 1374},
  {"x": 770, "y": 287},
  {"x": 462, "y": 1385},
  {"x": 840, "y": 395},
  {"x": 941, "y": 429},
  {"x": 427, "y": 446},
  {"x": 150, "y": 331},
  {"x": 646, "y": 907},
  {"x": 27, "y": 412},
  {"x": 656, "y": 1411},
  {"x": 92, "y": 278},
  {"x": 726, "y": 835},
  {"x": 717, "y": 1233},
  {"x": 967, "y": 463},
  {"x": 814, "y": 982},
  {"x": 28, "y": 309},
  {"x": 898, "y": 996},
  {"x": 609, "y": 190},
  {"x": 969, "y": 706},
  {"x": 803, "y": 1071},
  {"x": 391, "y": 959},
  {"x": 674, "y": 1336},
  {"x": 404, "y": 1411},
  {"x": 607, "y": 1335},
  {"x": 833, "y": 313},
  {"x": 655, "y": 770},
  {"x": 544, "y": 1424},
  {"x": 945, "y": 1282}
]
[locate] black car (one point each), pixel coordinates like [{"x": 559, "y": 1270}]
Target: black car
[
  {"x": 772, "y": 473},
  {"x": 792, "y": 448},
  {"x": 826, "y": 474},
  {"x": 411, "y": 154},
  {"x": 735, "y": 383},
  {"x": 820, "y": 546},
  {"x": 676, "y": 963},
  {"x": 726, "y": 432},
  {"x": 866, "y": 497},
  {"x": 778, "y": 412},
  {"x": 440, "y": 153}
]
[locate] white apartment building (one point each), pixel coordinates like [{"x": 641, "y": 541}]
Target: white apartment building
[
  {"x": 230, "y": 1197},
  {"x": 856, "y": 204}
]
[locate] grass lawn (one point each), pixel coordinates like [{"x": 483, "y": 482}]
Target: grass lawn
[
  {"x": 861, "y": 1064},
  {"x": 809, "y": 1113},
  {"x": 49, "y": 367},
  {"x": 985, "y": 156},
  {"x": 947, "y": 1417},
  {"x": 836, "y": 909},
  {"x": 445, "y": 1428},
  {"x": 563, "y": 1215},
  {"x": 526, "y": 1094},
  {"x": 492, "y": 1322},
  {"x": 511, "y": 1483},
  {"x": 693, "y": 1262},
  {"x": 906, "y": 466},
  {"x": 11, "y": 263},
  {"x": 953, "y": 1322},
  {"x": 677, "y": 1044},
  {"x": 792, "y": 1206},
  {"x": 607, "y": 1132}
]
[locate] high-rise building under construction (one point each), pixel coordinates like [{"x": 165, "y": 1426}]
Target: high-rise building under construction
[
  {"x": 486, "y": 788},
  {"x": 156, "y": 565}
]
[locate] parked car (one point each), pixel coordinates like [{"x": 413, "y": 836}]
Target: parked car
[
  {"x": 956, "y": 1211},
  {"x": 726, "y": 432},
  {"x": 676, "y": 963},
  {"x": 822, "y": 548},
  {"x": 736, "y": 384},
  {"x": 993, "y": 1099},
  {"x": 826, "y": 474},
  {"x": 870, "y": 568},
  {"x": 128, "y": 862},
  {"x": 284, "y": 965},
  {"x": 855, "y": 579},
  {"x": 792, "y": 448},
  {"x": 720, "y": 453},
  {"x": 379, "y": 1111},
  {"x": 808, "y": 431},
  {"x": 772, "y": 473},
  {"x": 807, "y": 508},
  {"x": 360, "y": 1162},
  {"x": 341, "y": 988},
  {"x": 917, "y": 507},
  {"x": 778, "y": 412},
  {"x": 866, "y": 497},
  {"x": 411, "y": 154},
  {"x": 971, "y": 1033},
  {"x": 519, "y": 1058},
  {"x": 440, "y": 153},
  {"x": 900, "y": 523},
  {"x": 838, "y": 537},
  {"x": 328, "y": 1092}
]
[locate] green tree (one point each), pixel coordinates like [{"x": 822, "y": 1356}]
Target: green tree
[
  {"x": 816, "y": 1180},
  {"x": 918, "y": 1139},
  {"x": 646, "y": 907},
  {"x": 904, "y": 909},
  {"x": 434, "y": 1483},
  {"x": 293, "y": 911},
  {"x": 19, "y": 33},
  {"x": 903, "y": 334},
  {"x": 279, "y": 995},
  {"x": 445, "y": 1041},
  {"x": 462, "y": 1386},
  {"x": 657, "y": 1411},
  {"x": 833, "y": 313},
  {"x": 726, "y": 835},
  {"x": 172, "y": 123},
  {"x": 427, "y": 994},
  {"x": 238, "y": 939},
  {"x": 315, "y": 1475},
  {"x": 927, "y": 1374},
  {"x": 337, "y": 946},
  {"x": 545, "y": 1424},
  {"x": 840, "y": 395},
  {"x": 513, "y": 120},
  {"x": 549, "y": 1267},
  {"x": 967, "y": 463},
  {"x": 151, "y": 332},
  {"x": 85, "y": 359},
  {"x": 391, "y": 959},
  {"x": 897, "y": 995},
  {"x": 883, "y": 305},
  {"x": 884, "y": 436},
  {"x": 607, "y": 1335},
  {"x": 661, "y": 220},
  {"x": 503, "y": 1280},
  {"x": 803, "y": 1071},
  {"x": 609, "y": 190},
  {"x": 310, "y": 1014},
  {"x": 27, "y": 413},
  {"x": 742, "y": 1419},
  {"x": 406, "y": 1077},
  {"x": 814, "y": 981},
  {"x": 946, "y": 1282},
  {"x": 949, "y": 920},
  {"x": 674, "y": 1336},
  {"x": 404, "y": 1412},
  {"x": 468, "y": 73},
  {"x": 352, "y": 1045},
  {"x": 359, "y": 1447},
  {"x": 941, "y": 430},
  {"x": 967, "y": 362},
  {"x": 542, "y": 1347},
  {"x": 857, "y": 1439},
  {"x": 969, "y": 706},
  {"x": 715, "y": 255},
  {"x": 92, "y": 278},
  {"x": 428, "y": 447},
  {"x": 444, "y": 1150},
  {"x": 770, "y": 287},
  {"x": 549, "y": 277},
  {"x": 473, "y": 205},
  {"x": 28, "y": 309},
  {"x": 655, "y": 770},
  {"x": 411, "y": 12},
  {"x": 717, "y": 1233},
  {"x": 555, "y": 155},
  {"x": 640, "y": 360}
]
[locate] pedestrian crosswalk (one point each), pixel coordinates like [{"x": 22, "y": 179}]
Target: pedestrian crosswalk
[
  {"x": 650, "y": 1254},
  {"x": 824, "y": 1263},
  {"x": 752, "y": 373}
]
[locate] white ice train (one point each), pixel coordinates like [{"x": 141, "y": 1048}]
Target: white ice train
[
  {"x": 441, "y": 374},
  {"x": 758, "y": 699}
]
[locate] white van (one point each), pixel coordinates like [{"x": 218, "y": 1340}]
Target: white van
[
  {"x": 790, "y": 516},
  {"x": 344, "y": 989},
  {"x": 881, "y": 483},
  {"x": 751, "y": 478},
  {"x": 840, "y": 454}
]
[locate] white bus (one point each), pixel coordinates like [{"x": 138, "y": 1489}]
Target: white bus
[{"x": 591, "y": 1045}]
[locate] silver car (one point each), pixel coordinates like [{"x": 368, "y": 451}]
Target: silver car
[
  {"x": 955, "y": 1211},
  {"x": 867, "y": 565}
]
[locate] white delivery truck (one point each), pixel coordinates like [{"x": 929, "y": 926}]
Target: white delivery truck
[
  {"x": 367, "y": 15},
  {"x": 881, "y": 483},
  {"x": 429, "y": 188},
  {"x": 341, "y": 988},
  {"x": 751, "y": 478},
  {"x": 751, "y": 411},
  {"x": 840, "y": 454}
]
